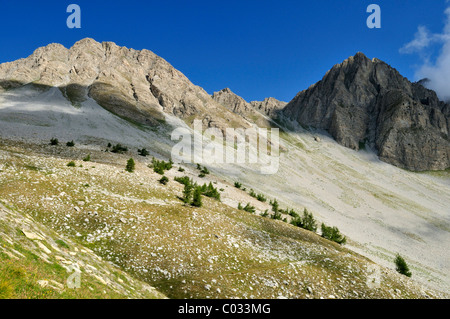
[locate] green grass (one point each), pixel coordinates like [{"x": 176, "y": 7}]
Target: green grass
[
  {"x": 32, "y": 168},
  {"x": 62, "y": 243}
]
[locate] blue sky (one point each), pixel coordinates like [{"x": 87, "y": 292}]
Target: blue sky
[{"x": 256, "y": 48}]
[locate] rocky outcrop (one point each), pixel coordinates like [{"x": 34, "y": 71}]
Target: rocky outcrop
[
  {"x": 137, "y": 85},
  {"x": 232, "y": 101},
  {"x": 256, "y": 112},
  {"x": 270, "y": 106},
  {"x": 363, "y": 100}
]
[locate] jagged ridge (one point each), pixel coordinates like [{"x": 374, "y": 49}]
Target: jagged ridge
[{"x": 137, "y": 85}]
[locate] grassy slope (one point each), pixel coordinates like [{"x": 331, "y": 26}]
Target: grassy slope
[
  {"x": 36, "y": 263},
  {"x": 210, "y": 252}
]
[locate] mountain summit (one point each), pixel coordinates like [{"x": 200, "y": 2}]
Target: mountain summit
[
  {"x": 366, "y": 101},
  {"x": 136, "y": 85},
  {"x": 359, "y": 101}
]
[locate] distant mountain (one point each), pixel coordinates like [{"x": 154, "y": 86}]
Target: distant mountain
[
  {"x": 137, "y": 85},
  {"x": 363, "y": 100}
]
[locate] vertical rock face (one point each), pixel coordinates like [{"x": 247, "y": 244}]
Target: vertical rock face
[
  {"x": 138, "y": 85},
  {"x": 363, "y": 100}
]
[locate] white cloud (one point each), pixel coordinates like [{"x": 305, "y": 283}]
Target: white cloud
[
  {"x": 437, "y": 71},
  {"x": 422, "y": 39}
]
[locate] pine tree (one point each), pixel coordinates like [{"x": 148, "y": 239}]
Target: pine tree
[
  {"x": 275, "y": 205},
  {"x": 402, "y": 267},
  {"x": 187, "y": 192},
  {"x": 308, "y": 221},
  {"x": 197, "y": 197},
  {"x": 130, "y": 165},
  {"x": 333, "y": 234},
  {"x": 249, "y": 208}
]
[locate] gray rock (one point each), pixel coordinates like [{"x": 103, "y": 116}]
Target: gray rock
[
  {"x": 363, "y": 100},
  {"x": 233, "y": 102},
  {"x": 269, "y": 106},
  {"x": 137, "y": 85},
  {"x": 253, "y": 112}
]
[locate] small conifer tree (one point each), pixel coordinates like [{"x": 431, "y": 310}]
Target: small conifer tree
[
  {"x": 130, "y": 165},
  {"x": 401, "y": 266},
  {"x": 197, "y": 197},
  {"x": 187, "y": 192}
]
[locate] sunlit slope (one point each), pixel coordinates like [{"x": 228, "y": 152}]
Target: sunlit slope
[
  {"x": 383, "y": 210},
  {"x": 214, "y": 251}
]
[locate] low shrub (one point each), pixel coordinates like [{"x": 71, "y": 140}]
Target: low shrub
[
  {"x": 119, "y": 149},
  {"x": 143, "y": 152},
  {"x": 71, "y": 164},
  {"x": 164, "y": 180}
]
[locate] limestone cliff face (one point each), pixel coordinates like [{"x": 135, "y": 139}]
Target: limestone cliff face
[
  {"x": 363, "y": 100},
  {"x": 138, "y": 85}
]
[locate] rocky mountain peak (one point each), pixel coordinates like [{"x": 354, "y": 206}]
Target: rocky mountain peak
[
  {"x": 363, "y": 100},
  {"x": 137, "y": 85},
  {"x": 86, "y": 42}
]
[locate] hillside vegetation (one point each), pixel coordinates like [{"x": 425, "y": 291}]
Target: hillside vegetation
[{"x": 107, "y": 219}]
